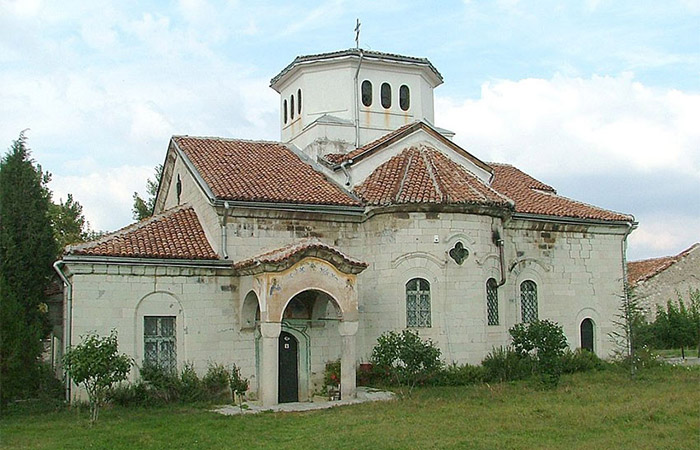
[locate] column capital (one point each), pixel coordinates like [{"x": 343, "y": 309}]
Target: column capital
[
  {"x": 348, "y": 328},
  {"x": 270, "y": 329}
]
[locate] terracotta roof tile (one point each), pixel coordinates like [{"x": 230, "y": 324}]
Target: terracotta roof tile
[
  {"x": 174, "y": 234},
  {"x": 639, "y": 271},
  {"x": 534, "y": 197},
  {"x": 294, "y": 252},
  {"x": 259, "y": 171},
  {"x": 421, "y": 174}
]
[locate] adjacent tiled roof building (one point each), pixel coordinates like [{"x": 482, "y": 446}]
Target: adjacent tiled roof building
[
  {"x": 174, "y": 234},
  {"x": 534, "y": 197},
  {"x": 421, "y": 174},
  {"x": 259, "y": 171}
]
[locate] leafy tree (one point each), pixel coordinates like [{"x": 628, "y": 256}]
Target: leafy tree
[
  {"x": 96, "y": 364},
  {"x": 406, "y": 359},
  {"x": 27, "y": 250},
  {"x": 544, "y": 342},
  {"x": 678, "y": 325},
  {"x": 69, "y": 224},
  {"x": 144, "y": 208}
]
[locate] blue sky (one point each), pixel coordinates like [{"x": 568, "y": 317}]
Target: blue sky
[{"x": 600, "y": 99}]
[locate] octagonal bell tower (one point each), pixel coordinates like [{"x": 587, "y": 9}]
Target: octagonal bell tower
[{"x": 335, "y": 102}]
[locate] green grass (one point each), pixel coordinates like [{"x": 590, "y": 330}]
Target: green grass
[{"x": 658, "y": 409}]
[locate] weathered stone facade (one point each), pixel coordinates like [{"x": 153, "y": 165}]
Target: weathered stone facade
[{"x": 330, "y": 266}]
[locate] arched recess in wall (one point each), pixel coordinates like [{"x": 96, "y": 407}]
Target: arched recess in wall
[
  {"x": 593, "y": 325},
  {"x": 159, "y": 317},
  {"x": 250, "y": 311}
]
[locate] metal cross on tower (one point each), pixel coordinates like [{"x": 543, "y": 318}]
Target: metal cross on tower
[{"x": 357, "y": 34}]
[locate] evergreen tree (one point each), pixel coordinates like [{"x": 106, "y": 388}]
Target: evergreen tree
[
  {"x": 144, "y": 208},
  {"x": 27, "y": 251}
]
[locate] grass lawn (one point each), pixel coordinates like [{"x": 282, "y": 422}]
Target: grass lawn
[{"x": 604, "y": 410}]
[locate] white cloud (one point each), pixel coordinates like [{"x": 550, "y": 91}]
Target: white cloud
[
  {"x": 106, "y": 195},
  {"x": 579, "y": 129},
  {"x": 578, "y": 125}
]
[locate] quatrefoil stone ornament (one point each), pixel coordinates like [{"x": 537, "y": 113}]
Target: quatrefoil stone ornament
[{"x": 459, "y": 253}]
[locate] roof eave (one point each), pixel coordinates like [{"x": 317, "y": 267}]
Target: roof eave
[
  {"x": 632, "y": 224},
  {"x": 139, "y": 261}
]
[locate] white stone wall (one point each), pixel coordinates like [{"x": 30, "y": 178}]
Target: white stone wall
[
  {"x": 578, "y": 271},
  {"x": 678, "y": 279},
  {"x": 203, "y": 302}
]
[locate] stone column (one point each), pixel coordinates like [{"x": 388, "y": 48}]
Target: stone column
[
  {"x": 270, "y": 332},
  {"x": 348, "y": 331}
]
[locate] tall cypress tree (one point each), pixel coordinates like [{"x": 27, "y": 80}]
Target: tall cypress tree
[{"x": 27, "y": 250}]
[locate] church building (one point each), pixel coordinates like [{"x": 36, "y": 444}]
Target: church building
[{"x": 365, "y": 217}]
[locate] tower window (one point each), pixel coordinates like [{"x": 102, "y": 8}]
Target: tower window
[
  {"x": 285, "y": 111},
  {"x": 386, "y": 95},
  {"x": 291, "y": 107},
  {"x": 404, "y": 98},
  {"x": 299, "y": 101},
  {"x": 367, "y": 93}
]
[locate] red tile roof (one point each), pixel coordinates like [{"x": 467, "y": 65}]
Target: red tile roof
[
  {"x": 174, "y": 234},
  {"x": 259, "y": 171},
  {"x": 293, "y": 253},
  {"x": 421, "y": 174},
  {"x": 639, "y": 271},
  {"x": 534, "y": 197}
]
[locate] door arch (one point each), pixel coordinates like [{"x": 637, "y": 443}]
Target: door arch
[
  {"x": 288, "y": 372},
  {"x": 586, "y": 330}
]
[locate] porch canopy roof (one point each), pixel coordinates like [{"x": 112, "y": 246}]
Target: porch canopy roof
[{"x": 283, "y": 258}]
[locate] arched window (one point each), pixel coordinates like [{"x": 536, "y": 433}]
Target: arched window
[
  {"x": 528, "y": 301},
  {"x": 299, "y": 101},
  {"x": 587, "y": 334},
  {"x": 291, "y": 107},
  {"x": 404, "y": 98},
  {"x": 418, "y": 303},
  {"x": 285, "y": 111},
  {"x": 367, "y": 93},
  {"x": 492, "y": 301},
  {"x": 386, "y": 95}
]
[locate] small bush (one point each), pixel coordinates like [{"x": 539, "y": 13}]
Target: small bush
[
  {"x": 581, "y": 360},
  {"x": 544, "y": 342},
  {"x": 458, "y": 375},
  {"x": 505, "y": 364},
  {"x": 191, "y": 388},
  {"x": 236, "y": 381},
  {"x": 331, "y": 375},
  {"x": 405, "y": 359},
  {"x": 216, "y": 381}
]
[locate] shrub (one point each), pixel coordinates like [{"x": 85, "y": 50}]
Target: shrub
[
  {"x": 236, "y": 381},
  {"x": 96, "y": 364},
  {"x": 331, "y": 375},
  {"x": 580, "y": 360},
  {"x": 458, "y": 375},
  {"x": 191, "y": 387},
  {"x": 405, "y": 359},
  {"x": 505, "y": 364},
  {"x": 544, "y": 342}
]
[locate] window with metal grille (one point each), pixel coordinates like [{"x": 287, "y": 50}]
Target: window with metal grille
[
  {"x": 159, "y": 342},
  {"x": 385, "y": 92},
  {"x": 404, "y": 98},
  {"x": 418, "y": 303},
  {"x": 528, "y": 301},
  {"x": 367, "y": 93},
  {"x": 492, "y": 301}
]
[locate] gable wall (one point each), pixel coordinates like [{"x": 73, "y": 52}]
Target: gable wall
[{"x": 679, "y": 278}]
